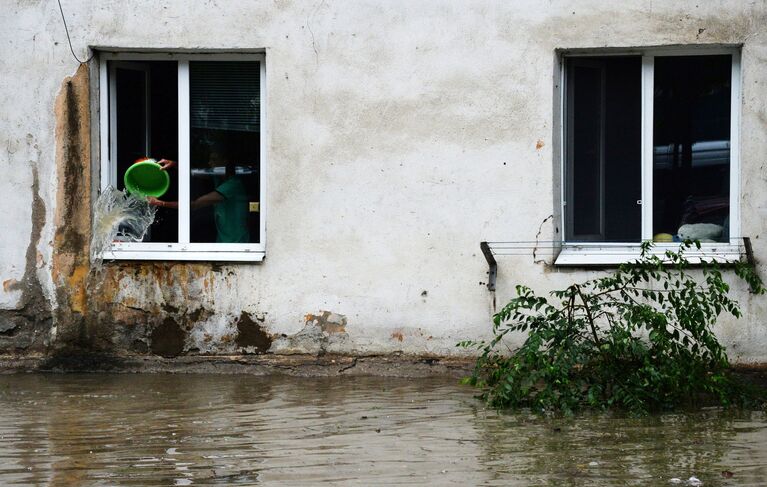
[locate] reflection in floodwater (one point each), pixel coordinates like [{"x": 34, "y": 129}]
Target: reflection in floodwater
[{"x": 245, "y": 430}]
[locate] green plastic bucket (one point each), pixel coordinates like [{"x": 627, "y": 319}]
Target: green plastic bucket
[{"x": 145, "y": 178}]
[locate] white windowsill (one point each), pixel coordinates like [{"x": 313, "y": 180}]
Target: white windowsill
[
  {"x": 616, "y": 254},
  {"x": 186, "y": 252}
]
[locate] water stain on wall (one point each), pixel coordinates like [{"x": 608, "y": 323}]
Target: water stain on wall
[{"x": 70, "y": 261}]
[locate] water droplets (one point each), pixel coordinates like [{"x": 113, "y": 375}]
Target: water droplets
[{"x": 118, "y": 216}]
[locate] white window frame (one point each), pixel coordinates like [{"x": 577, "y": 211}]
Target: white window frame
[
  {"x": 603, "y": 253},
  {"x": 184, "y": 250}
]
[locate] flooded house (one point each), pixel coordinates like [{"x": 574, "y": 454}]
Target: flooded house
[{"x": 363, "y": 183}]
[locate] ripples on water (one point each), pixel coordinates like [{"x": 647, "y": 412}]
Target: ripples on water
[{"x": 244, "y": 430}]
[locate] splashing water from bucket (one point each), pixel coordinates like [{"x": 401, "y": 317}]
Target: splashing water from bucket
[{"x": 118, "y": 215}]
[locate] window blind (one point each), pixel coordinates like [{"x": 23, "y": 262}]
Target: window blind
[{"x": 225, "y": 95}]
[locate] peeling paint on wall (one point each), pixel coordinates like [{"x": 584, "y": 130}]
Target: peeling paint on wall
[
  {"x": 251, "y": 336},
  {"x": 168, "y": 339},
  {"x": 327, "y": 321},
  {"x": 324, "y": 332}
]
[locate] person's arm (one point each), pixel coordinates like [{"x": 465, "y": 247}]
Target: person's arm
[
  {"x": 166, "y": 164},
  {"x": 205, "y": 200},
  {"x": 162, "y": 204}
]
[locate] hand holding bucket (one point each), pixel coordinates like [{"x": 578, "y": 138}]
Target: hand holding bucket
[{"x": 147, "y": 177}]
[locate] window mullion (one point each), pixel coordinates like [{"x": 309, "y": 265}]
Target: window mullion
[
  {"x": 735, "y": 86},
  {"x": 183, "y": 152},
  {"x": 648, "y": 75},
  {"x": 112, "y": 174},
  {"x": 104, "y": 110},
  {"x": 262, "y": 153}
]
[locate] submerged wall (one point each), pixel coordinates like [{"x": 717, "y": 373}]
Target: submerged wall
[{"x": 400, "y": 135}]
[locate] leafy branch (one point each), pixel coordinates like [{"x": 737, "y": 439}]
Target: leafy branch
[{"x": 639, "y": 339}]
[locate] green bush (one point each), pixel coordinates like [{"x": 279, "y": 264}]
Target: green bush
[{"x": 639, "y": 339}]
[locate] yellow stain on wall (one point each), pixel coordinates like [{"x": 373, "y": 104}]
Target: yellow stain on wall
[{"x": 78, "y": 286}]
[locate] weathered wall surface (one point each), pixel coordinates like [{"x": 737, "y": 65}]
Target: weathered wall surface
[{"x": 401, "y": 134}]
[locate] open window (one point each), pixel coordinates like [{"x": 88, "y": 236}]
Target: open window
[
  {"x": 206, "y": 113},
  {"x": 649, "y": 153}
]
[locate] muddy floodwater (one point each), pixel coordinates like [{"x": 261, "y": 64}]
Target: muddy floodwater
[{"x": 244, "y": 430}]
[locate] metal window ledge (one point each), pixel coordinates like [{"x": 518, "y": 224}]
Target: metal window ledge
[
  {"x": 600, "y": 256},
  {"x": 192, "y": 255}
]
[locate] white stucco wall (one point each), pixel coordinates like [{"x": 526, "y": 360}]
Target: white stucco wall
[{"x": 400, "y": 135}]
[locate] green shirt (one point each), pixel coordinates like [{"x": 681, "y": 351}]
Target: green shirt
[{"x": 232, "y": 213}]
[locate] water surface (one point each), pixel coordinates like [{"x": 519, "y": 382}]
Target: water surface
[{"x": 150, "y": 430}]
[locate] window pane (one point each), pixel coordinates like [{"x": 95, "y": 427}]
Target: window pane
[
  {"x": 225, "y": 166},
  {"x": 146, "y": 125},
  {"x": 691, "y": 162},
  {"x": 586, "y": 146},
  {"x": 603, "y": 149}
]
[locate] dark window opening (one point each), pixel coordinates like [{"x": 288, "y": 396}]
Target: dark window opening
[
  {"x": 225, "y": 130},
  {"x": 603, "y": 149},
  {"x": 691, "y": 162},
  {"x": 146, "y": 125}
]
